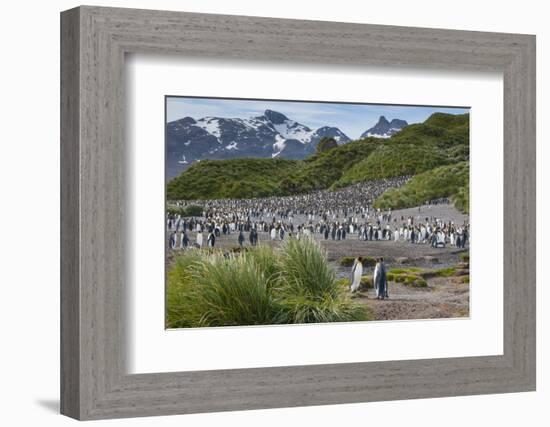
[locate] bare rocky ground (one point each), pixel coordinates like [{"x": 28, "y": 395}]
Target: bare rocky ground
[{"x": 442, "y": 298}]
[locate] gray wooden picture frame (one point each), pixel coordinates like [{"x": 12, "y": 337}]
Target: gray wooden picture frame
[{"x": 94, "y": 41}]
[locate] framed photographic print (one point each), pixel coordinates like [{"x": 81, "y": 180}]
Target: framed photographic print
[
  {"x": 281, "y": 213},
  {"x": 264, "y": 209}
]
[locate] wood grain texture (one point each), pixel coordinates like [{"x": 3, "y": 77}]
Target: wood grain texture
[
  {"x": 70, "y": 297},
  {"x": 94, "y": 267}
]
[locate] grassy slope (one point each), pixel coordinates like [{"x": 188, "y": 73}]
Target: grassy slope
[
  {"x": 445, "y": 181},
  {"x": 236, "y": 178},
  {"x": 321, "y": 170},
  {"x": 441, "y": 140}
]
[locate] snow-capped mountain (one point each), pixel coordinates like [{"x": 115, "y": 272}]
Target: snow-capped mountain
[
  {"x": 269, "y": 135},
  {"x": 385, "y": 129}
]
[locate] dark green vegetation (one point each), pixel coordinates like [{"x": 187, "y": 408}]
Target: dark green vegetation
[
  {"x": 236, "y": 178},
  {"x": 415, "y": 276},
  {"x": 322, "y": 170},
  {"x": 347, "y": 261},
  {"x": 366, "y": 283},
  {"x": 326, "y": 144},
  {"x": 445, "y": 181},
  {"x": 409, "y": 278},
  {"x": 412, "y": 276},
  {"x": 260, "y": 286},
  {"x": 443, "y": 139},
  {"x": 191, "y": 210}
]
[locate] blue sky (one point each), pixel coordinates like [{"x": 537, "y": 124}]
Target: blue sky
[{"x": 352, "y": 119}]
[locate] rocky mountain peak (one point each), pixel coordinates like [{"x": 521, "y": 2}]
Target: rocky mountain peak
[
  {"x": 398, "y": 123},
  {"x": 382, "y": 121},
  {"x": 271, "y": 135},
  {"x": 275, "y": 117},
  {"x": 384, "y": 129}
]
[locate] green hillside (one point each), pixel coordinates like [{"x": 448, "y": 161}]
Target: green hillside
[
  {"x": 248, "y": 177},
  {"x": 443, "y": 139},
  {"x": 236, "y": 178},
  {"x": 446, "y": 181},
  {"x": 322, "y": 170}
]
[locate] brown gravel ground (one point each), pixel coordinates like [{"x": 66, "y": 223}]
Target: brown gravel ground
[{"x": 442, "y": 298}]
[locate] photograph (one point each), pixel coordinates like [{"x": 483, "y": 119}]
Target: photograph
[{"x": 294, "y": 212}]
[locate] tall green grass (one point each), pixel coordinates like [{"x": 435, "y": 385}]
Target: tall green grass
[
  {"x": 267, "y": 261},
  {"x": 230, "y": 292},
  {"x": 305, "y": 269},
  {"x": 305, "y": 309},
  {"x": 262, "y": 286},
  {"x": 309, "y": 289},
  {"x": 179, "y": 285}
]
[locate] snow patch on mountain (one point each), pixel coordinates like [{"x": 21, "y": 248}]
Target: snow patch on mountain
[
  {"x": 210, "y": 125},
  {"x": 270, "y": 135},
  {"x": 278, "y": 146},
  {"x": 294, "y": 130},
  {"x": 183, "y": 161}
]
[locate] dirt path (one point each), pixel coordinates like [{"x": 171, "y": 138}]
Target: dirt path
[{"x": 442, "y": 298}]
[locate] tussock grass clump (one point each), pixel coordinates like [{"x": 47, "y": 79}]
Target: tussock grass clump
[
  {"x": 347, "y": 261},
  {"x": 465, "y": 257},
  {"x": 366, "y": 283},
  {"x": 369, "y": 261},
  {"x": 343, "y": 283},
  {"x": 230, "y": 292},
  {"x": 304, "y": 309},
  {"x": 305, "y": 269},
  {"x": 405, "y": 270},
  {"x": 261, "y": 286},
  {"x": 309, "y": 289},
  {"x": 417, "y": 277},
  {"x": 408, "y": 276},
  {"x": 427, "y": 272},
  {"x": 416, "y": 281},
  {"x": 445, "y": 272},
  {"x": 267, "y": 261},
  {"x": 239, "y": 249},
  {"x": 179, "y": 284}
]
